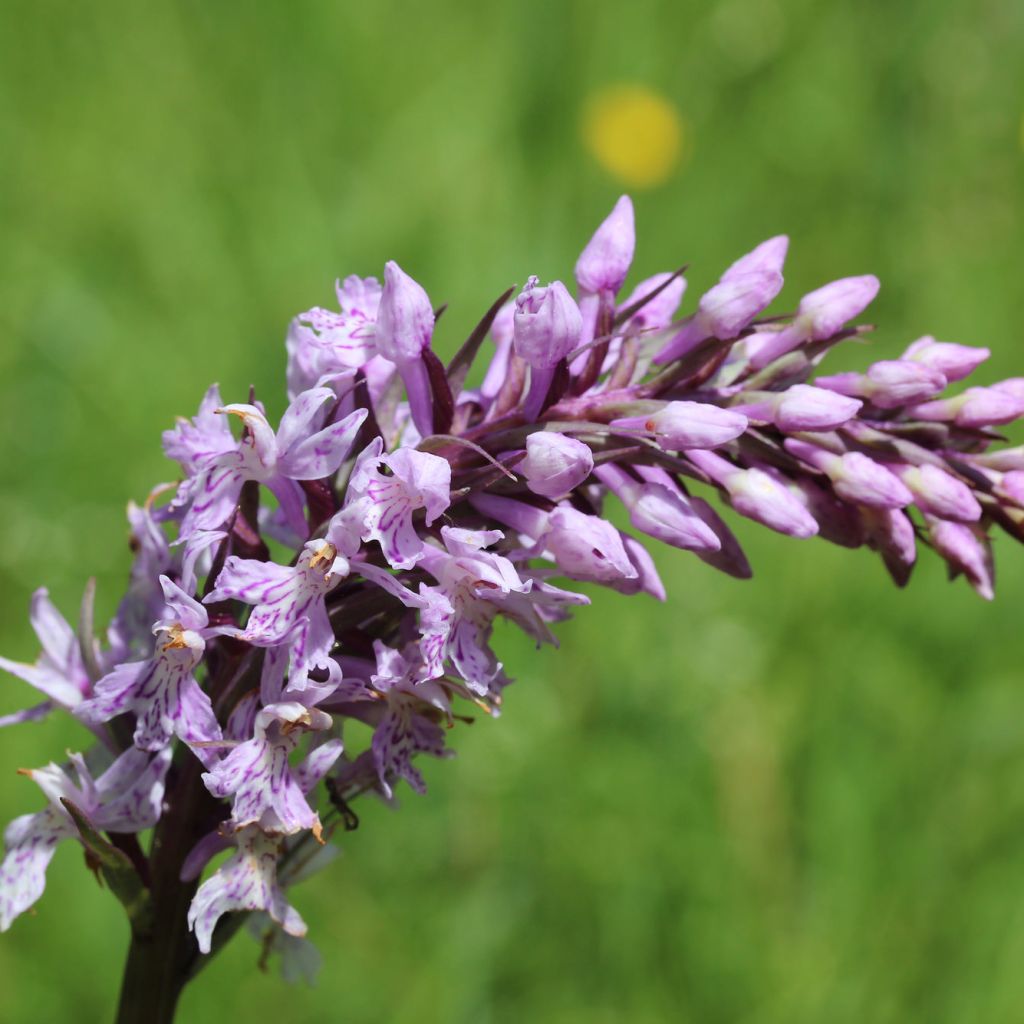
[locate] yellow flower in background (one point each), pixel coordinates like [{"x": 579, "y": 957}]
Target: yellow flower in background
[{"x": 634, "y": 133}]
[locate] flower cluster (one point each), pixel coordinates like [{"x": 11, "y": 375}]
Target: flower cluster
[{"x": 410, "y": 510}]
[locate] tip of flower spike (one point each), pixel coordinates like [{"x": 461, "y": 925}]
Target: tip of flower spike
[
  {"x": 604, "y": 263},
  {"x": 768, "y": 256}
]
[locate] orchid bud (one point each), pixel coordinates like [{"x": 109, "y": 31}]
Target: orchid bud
[
  {"x": 967, "y": 550},
  {"x": 405, "y": 318},
  {"x": 758, "y": 495},
  {"x": 820, "y": 315},
  {"x": 803, "y": 407},
  {"x": 743, "y": 291},
  {"x": 405, "y": 324},
  {"x": 855, "y": 477},
  {"x": 555, "y": 464},
  {"x": 733, "y": 303},
  {"x": 604, "y": 263},
  {"x": 1011, "y": 386},
  {"x": 823, "y": 312},
  {"x": 975, "y": 408},
  {"x": 940, "y": 493},
  {"x": 660, "y": 511},
  {"x": 679, "y": 426},
  {"x": 954, "y": 362},
  {"x": 889, "y": 383},
  {"x": 1004, "y": 459},
  {"x": 724, "y": 312},
  {"x": 891, "y": 533},
  {"x": 768, "y": 257},
  {"x": 587, "y": 547},
  {"x": 547, "y": 324}
]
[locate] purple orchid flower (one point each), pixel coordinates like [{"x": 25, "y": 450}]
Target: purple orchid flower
[
  {"x": 162, "y": 692},
  {"x": 256, "y": 775},
  {"x": 399, "y": 562},
  {"x": 127, "y": 797},
  {"x": 284, "y": 597},
  {"x": 246, "y": 881},
  {"x": 59, "y": 672},
  {"x": 460, "y": 610},
  {"x": 403, "y": 731},
  {"x": 322, "y": 344},
  {"x": 417, "y": 481},
  {"x": 301, "y": 449}
]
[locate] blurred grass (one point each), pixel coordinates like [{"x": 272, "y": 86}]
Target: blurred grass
[{"x": 796, "y": 799}]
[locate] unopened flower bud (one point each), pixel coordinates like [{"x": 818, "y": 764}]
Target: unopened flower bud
[
  {"x": 683, "y": 425},
  {"x": 1012, "y": 485},
  {"x": 584, "y": 547},
  {"x": 555, "y": 464},
  {"x": 803, "y": 407},
  {"x": 724, "y": 312},
  {"x": 940, "y": 493},
  {"x": 888, "y": 384},
  {"x": 758, "y": 495},
  {"x": 976, "y": 407},
  {"x": 405, "y": 324},
  {"x": 967, "y": 550},
  {"x": 954, "y": 362},
  {"x": 855, "y": 477},
  {"x": 547, "y": 324},
  {"x": 604, "y": 263},
  {"x": 405, "y": 318},
  {"x": 769, "y": 257},
  {"x": 660, "y": 510},
  {"x": 1011, "y": 386},
  {"x": 891, "y": 533},
  {"x": 820, "y": 315},
  {"x": 587, "y": 547}
]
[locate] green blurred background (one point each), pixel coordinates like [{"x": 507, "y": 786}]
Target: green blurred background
[{"x": 797, "y": 799}]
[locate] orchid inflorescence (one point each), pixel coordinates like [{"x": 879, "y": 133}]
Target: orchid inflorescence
[{"x": 409, "y": 511}]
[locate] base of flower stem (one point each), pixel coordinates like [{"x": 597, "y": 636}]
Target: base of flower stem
[
  {"x": 163, "y": 955},
  {"x": 157, "y": 968}
]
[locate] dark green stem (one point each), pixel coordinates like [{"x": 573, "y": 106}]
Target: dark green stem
[{"x": 160, "y": 958}]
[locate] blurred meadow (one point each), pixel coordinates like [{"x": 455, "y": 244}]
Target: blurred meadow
[{"x": 796, "y": 799}]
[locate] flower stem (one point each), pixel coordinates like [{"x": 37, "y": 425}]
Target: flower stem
[{"x": 160, "y": 959}]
